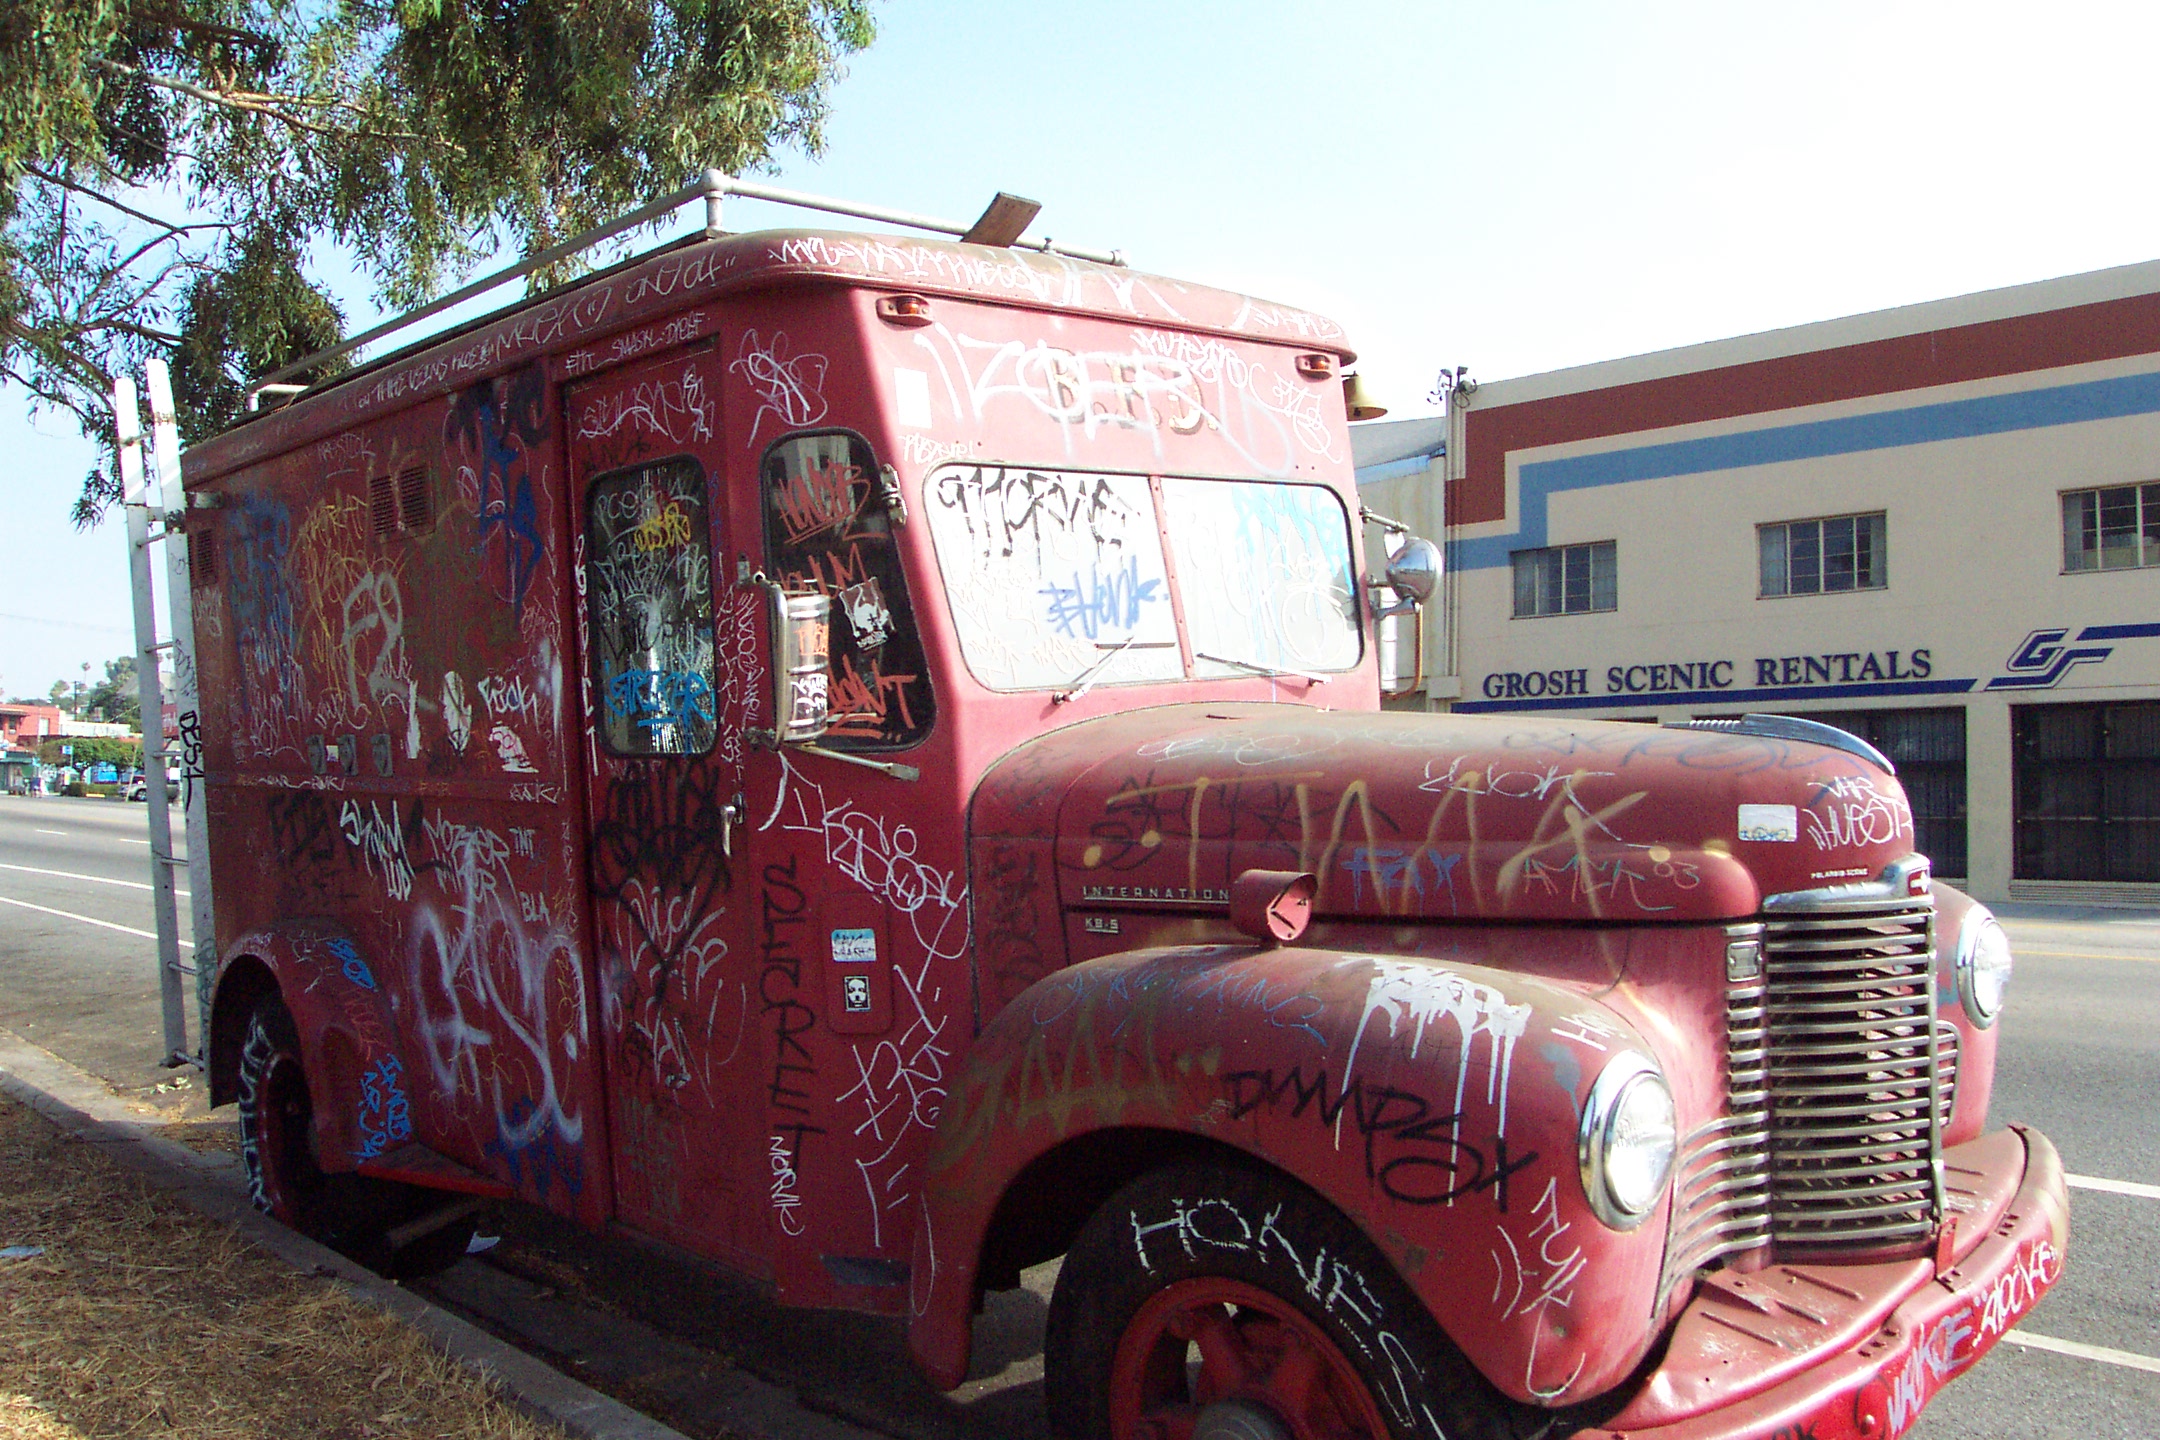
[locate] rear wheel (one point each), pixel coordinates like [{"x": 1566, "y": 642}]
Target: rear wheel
[
  {"x": 1186, "y": 1310},
  {"x": 356, "y": 1215}
]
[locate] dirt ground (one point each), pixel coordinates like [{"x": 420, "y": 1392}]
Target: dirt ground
[{"x": 125, "y": 1313}]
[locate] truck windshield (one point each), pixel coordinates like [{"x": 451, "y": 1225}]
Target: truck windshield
[{"x": 1050, "y": 571}]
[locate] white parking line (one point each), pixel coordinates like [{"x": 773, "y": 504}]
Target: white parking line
[
  {"x": 93, "y": 879},
  {"x": 2113, "y": 1187},
  {"x": 2100, "y": 1353},
  {"x": 87, "y": 920}
]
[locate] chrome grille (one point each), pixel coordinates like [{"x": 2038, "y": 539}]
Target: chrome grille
[
  {"x": 1856, "y": 1097},
  {"x": 1721, "y": 1186}
]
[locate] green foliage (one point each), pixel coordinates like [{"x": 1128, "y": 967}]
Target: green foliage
[
  {"x": 91, "y": 750},
  {"x": 117, "y": 695},
  {"x": 168, "y": 167}
]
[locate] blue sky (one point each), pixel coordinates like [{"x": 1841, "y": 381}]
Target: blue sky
[{"x": 1514, "y": 188}]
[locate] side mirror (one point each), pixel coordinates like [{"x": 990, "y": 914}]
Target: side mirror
[
  {"x": 1413, "y": 573},
  {"x": 801, "y": 665}
]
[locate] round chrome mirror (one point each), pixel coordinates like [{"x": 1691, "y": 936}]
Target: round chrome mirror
[{"x": 1414, "y": 571}]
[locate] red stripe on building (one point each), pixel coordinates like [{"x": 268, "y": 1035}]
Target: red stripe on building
[{"x": 2105, "y": 330}]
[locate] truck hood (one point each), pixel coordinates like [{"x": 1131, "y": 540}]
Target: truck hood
[{"x": 1413, "y": 816}]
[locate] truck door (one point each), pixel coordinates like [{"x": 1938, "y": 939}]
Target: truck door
[{"x": 664, "y": 749}]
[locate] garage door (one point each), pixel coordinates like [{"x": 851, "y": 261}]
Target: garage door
[{"x": 2087, "y": 781}]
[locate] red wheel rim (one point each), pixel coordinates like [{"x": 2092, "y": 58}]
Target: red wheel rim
[
  {"x": 284, "y": 1115},
  {"x": 1251, "y": 1346}
]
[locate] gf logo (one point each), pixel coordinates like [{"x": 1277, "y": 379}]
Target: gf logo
[{"x": 2043, "y": 660}]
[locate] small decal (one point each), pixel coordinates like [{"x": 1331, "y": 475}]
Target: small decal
[
  {"x": 512, "y": 751},
  {"x": 1100, "y": 925},
  {"x": 864, "y": 606},
  {"x": 1769, "y": 822},
  {"x": 855, "y": 993},
  {"x": 854, "y": 947},
  {"x": 911, "y": 397}
]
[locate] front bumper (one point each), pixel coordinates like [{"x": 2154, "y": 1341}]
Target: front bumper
[{"x": 1854, "y": 1352}]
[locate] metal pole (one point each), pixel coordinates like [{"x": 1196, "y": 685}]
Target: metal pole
[
  {"x": 136, "y": 498},
  {"x": 187, "y": 700}
]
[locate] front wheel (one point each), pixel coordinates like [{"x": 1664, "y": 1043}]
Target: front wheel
[{"x": 1209, "y": 1301}]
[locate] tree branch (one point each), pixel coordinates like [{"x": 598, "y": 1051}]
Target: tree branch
[
  {"x": 175, "y": 20},
  {"x": 103, "y": 199},
  {"x": 129, "y": 327},
  {"x": 275, "y": 107}
]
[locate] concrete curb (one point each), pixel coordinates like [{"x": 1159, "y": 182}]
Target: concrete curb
[{"x": 83, "y": 1107}]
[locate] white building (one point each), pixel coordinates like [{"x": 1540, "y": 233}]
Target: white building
[{"x": 1936, "y": 526}]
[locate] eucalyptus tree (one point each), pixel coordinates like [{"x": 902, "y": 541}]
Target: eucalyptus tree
[{"x": 171, "y": 171}]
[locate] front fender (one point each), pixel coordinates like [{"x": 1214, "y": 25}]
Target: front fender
[
  {"x": 348, "y": 1042},
  {"x": 1433, "y": 1104}
]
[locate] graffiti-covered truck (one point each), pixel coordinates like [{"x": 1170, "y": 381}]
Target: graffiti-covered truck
[{"x": 861, "y": 758}]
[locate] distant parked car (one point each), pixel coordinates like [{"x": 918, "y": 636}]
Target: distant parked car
[{"x": 139, "y": 788}]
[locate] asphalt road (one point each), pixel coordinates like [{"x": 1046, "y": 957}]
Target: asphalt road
[
  {"x": 86, "y": 991},
  {"x": 2080, "y": 1060}
]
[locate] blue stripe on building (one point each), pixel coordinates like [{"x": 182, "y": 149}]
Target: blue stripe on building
[
  {"x": 1651, "y": 700},
  {"x": 1888, "y": 430}
]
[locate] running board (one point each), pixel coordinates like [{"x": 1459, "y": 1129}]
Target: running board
[{"x": 415, "y": 1164}]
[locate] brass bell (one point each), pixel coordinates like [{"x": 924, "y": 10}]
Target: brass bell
[{"x": 1358, "y": 401}]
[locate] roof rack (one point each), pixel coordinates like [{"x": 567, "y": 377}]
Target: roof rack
[{"x": 1000, "y": 224}]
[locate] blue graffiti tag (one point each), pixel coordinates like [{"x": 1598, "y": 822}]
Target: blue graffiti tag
[
  {"x": 539, "y": 1163},
  {"x": 1394, "y": 868},
  {"x": 385, "y": 1117},
  {"x": 653, "y": 698},
  {"x": 502, "y": 420},
  {"x": 261, "y": 600},
  {"x": 355, "y": 969},
  {"x": 1102, "y": 601}
]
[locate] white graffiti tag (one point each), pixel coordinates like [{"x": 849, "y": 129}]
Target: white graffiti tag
[
  {"x": 1850, "y": 811},
  {"x": 790, "y": 386},
  {"x": 1417, "y": 994},
  {"x": 380, "y": 839},
  {"x": 1542, "y": 1281}
]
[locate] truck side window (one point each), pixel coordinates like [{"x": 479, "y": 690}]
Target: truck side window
[
  {"x": 648, "y": 583},
  {"x": 827, "y": 531}
]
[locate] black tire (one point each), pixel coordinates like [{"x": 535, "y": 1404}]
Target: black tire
[
  {"x": 352, "y": 1214},
  {"x": 1193, "y": 1233}
]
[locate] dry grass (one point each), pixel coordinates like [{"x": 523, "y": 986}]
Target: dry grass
[
  {"x": 144, "y": 1318},
  {"x": 204, "y": 1136}
]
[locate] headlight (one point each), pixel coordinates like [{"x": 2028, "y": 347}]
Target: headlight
[
  {"x": 1983, "y": 966},
  {"x": 1629, "y": 1132}
]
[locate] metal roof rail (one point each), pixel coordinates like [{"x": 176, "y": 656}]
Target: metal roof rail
[{"x": 1000, "y": 225}]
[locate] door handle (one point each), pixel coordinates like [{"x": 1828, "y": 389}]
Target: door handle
[{"x": 731, "y": 815}]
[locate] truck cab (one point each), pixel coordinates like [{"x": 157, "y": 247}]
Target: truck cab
[{"x": 861, "y": 758}]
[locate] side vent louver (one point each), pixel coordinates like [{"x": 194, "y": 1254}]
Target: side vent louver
[
  {"x": 415, "y": 499},
  {"x": 382, "y": 504},
  {"x": 202, "y": 555},
  {"x": 401, "y": 502}
]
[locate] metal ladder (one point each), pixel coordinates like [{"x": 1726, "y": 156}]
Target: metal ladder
[{"x": 151, "y": 494}]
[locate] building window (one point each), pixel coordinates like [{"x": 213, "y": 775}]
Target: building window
[
  {"x": 1566, "y": 580},
  {"x": 2113, "y": 529},
  {"x": 1816, "y": 557}
]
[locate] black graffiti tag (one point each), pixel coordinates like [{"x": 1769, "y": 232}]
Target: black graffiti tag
[{"x": 1416, "y": 1155}]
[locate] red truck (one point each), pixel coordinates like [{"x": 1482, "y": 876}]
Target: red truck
[{"x": 862, "y": 758}]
